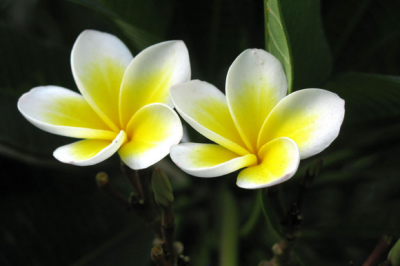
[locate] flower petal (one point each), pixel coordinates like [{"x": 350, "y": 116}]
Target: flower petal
[
  {"x": 89, "y": 151},
  {"x": 255, "y": 83},
  {"x": 310, "y": 117},
  {"x": 204, "y": 107},
  {"x": 151, "y": 74},
  {"x": 152, "y": 131},
  {"x": 99, "y": 61},
  {"x": 208, "y": 160},
  {"x": 63, "y": 112},
  {"x": 280, "y": 160}
]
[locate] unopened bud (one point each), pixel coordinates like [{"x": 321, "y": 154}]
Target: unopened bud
[
  {"x": 162, "y": 188},
  {"x": 102, "y": 179},
  {"x": 276, "y": 249},
  {"x": 178, "y": 248},
  {"x": 184, "y": 259},
  {"x": 157, "y": 251},
  {"x": 394, "y": 254}
]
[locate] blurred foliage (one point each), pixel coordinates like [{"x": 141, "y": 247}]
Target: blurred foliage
[{"x": 53, "y": 214}]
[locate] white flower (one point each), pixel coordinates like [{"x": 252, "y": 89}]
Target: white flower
[
  {"x": 125, "y": 104},
  {"x": 255, "y": 125}
]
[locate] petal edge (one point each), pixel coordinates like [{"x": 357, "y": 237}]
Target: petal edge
[
  {"x": 280, "y": 160},
  {"x": 89, "y": 152},
  {"x": 208, "y": 160}
]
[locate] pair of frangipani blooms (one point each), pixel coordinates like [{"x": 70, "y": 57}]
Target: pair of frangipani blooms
[{"x": 126, "y": 105}]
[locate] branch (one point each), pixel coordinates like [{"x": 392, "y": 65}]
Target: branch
[{"x": 382, "y": 246}]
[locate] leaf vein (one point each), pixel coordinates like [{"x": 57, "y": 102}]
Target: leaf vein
[{"x": 276, "y": 45}]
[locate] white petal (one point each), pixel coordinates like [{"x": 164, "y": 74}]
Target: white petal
[
  {"x": 63, "y": 112},
  {"x": 151, "y": 74},
  {"x": 208, "y": 160},
  {"x": 256, "y": 82},
  {"x": 152, "y": 131},
  {"x": 99, "y": 61},
  {"x": 310, "y": 117},
  {"x": 280, "y": 160},
  {"x": 204, "y": 107},
  {"x": 89, "y": 152}
]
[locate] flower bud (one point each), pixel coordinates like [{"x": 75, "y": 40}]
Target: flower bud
[
  {"x": 102, "y": 179},
  {"x": 162, "y": 188}
]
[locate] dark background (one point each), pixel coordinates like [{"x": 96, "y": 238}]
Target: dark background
[{"x": 54, "y": 214}]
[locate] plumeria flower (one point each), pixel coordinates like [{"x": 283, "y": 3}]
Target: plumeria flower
[
  {"x": 254, "y": 125},
  {"x": 124, "y": 103}
]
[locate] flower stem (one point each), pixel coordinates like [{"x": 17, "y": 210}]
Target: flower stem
[{"x": 229, "y": 230}]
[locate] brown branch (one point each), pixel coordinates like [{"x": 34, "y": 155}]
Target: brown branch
[
  {"x": 158, "y": 256},
  {"x": 382, "y": 246},
  {"x": 168, "y": 226}
]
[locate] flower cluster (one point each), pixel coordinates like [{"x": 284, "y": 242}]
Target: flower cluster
[{"x": 126, "y": 105}]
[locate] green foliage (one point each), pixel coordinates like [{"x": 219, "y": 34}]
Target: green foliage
[
  {"x": 52, "y": 214},
  {"x": 128, "y": 14},
  {"x": 367, "y": 96},
  {"x": 294, "y": 34},
  {"x": 312, "y": 62},
  {"x": 394, "y": 254},
  {"x": 277, "y": 38},
  {"x": 273, "y": 225}
]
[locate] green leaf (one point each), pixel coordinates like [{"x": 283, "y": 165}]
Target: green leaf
[
  {"x": 139, "y": 38},
  {"x": 131, "y": 247},
  {"x": 294, "y": 34},
  {"x": 18, "y": 133},
  {"x": 21, "y": 68},
  {"x": 311, "y": 55},
  {"x": 394, "y": 254},
  {"x": 58, "y": 217},
  {"x": 364, "y": 35},
  {"x": 344, "y": 19},
  {"x": 276, "y": 37},
  {"x": 367, "y": 96},
  {"x": 138, "y": 20}
]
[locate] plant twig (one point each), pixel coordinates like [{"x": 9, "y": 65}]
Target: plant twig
[
  {"x": 168, "y": 226},
  {"x": 103, "y": 183},
  {"x": 158, "y": 256},
  {"x": 382, "y": 246},
  {"x": 134, "y": 179},
  {"x": 291, "y": 220},
  {"x": 146, "y": 210}
]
